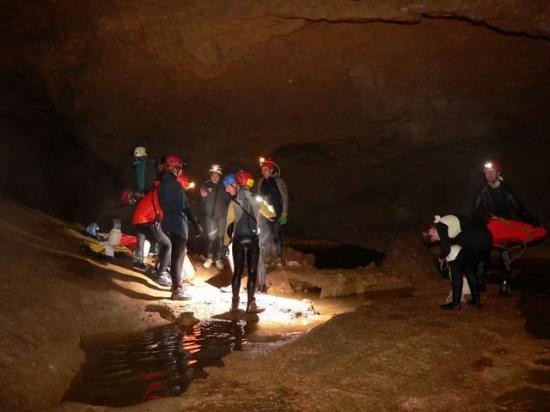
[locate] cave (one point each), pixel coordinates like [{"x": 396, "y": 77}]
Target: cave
[{"x": 380, "y": 114}]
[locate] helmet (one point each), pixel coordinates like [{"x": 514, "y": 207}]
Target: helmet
[
  {"x": 492, "y": 165},
  {"x": 140, "y": 151},
  {"x": 215, "y": 168},
  {"x": 269, "y": 163},
  {"x": 245, "y": 179},
  {"x": 174, "y": 161},
  {"x": 230, "y": 179}
]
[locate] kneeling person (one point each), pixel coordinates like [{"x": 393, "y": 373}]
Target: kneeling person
[{"x": 465, "y": 242}]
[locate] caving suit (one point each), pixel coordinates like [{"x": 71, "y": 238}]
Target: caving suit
[
  {"x": 215, "y": 205},
  {"x": 242, "y": 228},
  {"x": 275, "y": 193},
  {"x": 464, "y": 243}
]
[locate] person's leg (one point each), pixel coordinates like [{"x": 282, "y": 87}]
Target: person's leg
[
  {"x": 165, "y": 254},
  {"x": 218, "y": 244},
  {"x": 506, "y": 270},
  {"x": 212, "y": 236},
  {"x": 179, "y": 244},
  {"x": 456, "y": 283},
  {"x": 238, "y": 262},
  {"x": 138, "y": 254},
  {"x": 278, "y": 238},
  {"x": 253, "y": 255}
]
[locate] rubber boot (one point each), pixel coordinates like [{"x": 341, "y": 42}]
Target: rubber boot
[
  {"x": 504, "y": 289},
  {"x": 179, "y": 294},
  {"x": 235, "y": 304},
  {"x": 251, "y": 307},
  {"x": 475, "y": 301}
]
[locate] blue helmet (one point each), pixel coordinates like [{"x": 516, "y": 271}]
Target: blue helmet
[{"x": 230, "y": 179}]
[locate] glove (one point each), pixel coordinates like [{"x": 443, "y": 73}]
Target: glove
[
  {"x": 283, "y": 220},
  {"x": 198, "y": 229},
  {"x": 443, "y": 265}
]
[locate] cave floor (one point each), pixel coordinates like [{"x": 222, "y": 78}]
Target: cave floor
[{"x": 389, "y": 352}]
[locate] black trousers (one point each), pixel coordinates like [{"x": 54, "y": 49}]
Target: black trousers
[
  {"x": 248, "y": 249},
  {"x": 476, "y": 250},
  {"x": 179, "y": 250},
  {"x": 215, "y": 229},
  {"x": 153, "y": 233}
]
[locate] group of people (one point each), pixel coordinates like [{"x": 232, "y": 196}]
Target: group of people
[
  {"x": 466, "y": 242},
  {"x": 235, "y": 218}
]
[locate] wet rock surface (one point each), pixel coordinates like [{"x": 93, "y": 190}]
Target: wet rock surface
[{"x": 391, "y": 353}]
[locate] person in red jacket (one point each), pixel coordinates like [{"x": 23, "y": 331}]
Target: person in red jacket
[{"x": 146, "y": 220}]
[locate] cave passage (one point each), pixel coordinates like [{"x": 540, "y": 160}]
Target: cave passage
[{"x": 342, "y": 256}]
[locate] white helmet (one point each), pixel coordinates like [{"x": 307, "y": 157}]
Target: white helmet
[
  {"x": 140, "y": 151},
  {"x": 215, "y": 168}
]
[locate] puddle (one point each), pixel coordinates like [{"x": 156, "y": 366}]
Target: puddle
[
  {"x": 161, "y": 362},
  {"x": 341, "y": 256}
]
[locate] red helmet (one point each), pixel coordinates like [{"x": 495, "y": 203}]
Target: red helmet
[
  {"x": 244, "y": 178},
  {"x": 268, "y": 163},
  {"x": 492, "y": 165},
  {"x": 174, "y": 161}
]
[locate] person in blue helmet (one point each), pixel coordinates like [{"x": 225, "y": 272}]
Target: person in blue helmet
[{"x": 242, "y": 232}]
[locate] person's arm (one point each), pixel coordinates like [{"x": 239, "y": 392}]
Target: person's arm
[
  {"x": 266, "y": 210},
  {"x": 230, "y": 219},
  {"x": 478, "y": 211},
  {"x": 284, "y": 195},
  {"x": 519, "y": 208},
  {"x": 444, "y": 239}
]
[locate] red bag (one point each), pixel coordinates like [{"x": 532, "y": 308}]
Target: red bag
[
  {"x": 513, "y": 231},
  {"x": 129, "y": 241}
]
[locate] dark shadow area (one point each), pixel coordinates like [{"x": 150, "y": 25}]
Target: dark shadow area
[
  {"x": 342, "y": 256},
  {"x": 525, "y": 399}
]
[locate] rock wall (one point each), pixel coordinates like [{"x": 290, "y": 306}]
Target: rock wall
[{"x": 380, "y": 112}]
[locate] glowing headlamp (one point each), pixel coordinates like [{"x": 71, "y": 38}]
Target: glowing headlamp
[
  {"x": 488, "y": 165},
  {"x": 261, "y": 160},
  {"x": 191, "y": 185}
]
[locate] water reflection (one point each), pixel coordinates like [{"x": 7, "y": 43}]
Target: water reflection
[{"x": 158, "y": 363}]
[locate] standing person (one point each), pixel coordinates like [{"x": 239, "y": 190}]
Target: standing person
[
  {"x": 146, "y": 170},
  {"x": 274, "y": 191},
  {"x": 146, "y": 175},
  {"x": 215, "y": 201},
  {"x": 497, "y": 199},
  {"x": 175, "y": 222},
  {"x": 147, "y": 222},
  {"x": 242, "y": 223},
  {"x": 465, "y": 242}
]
